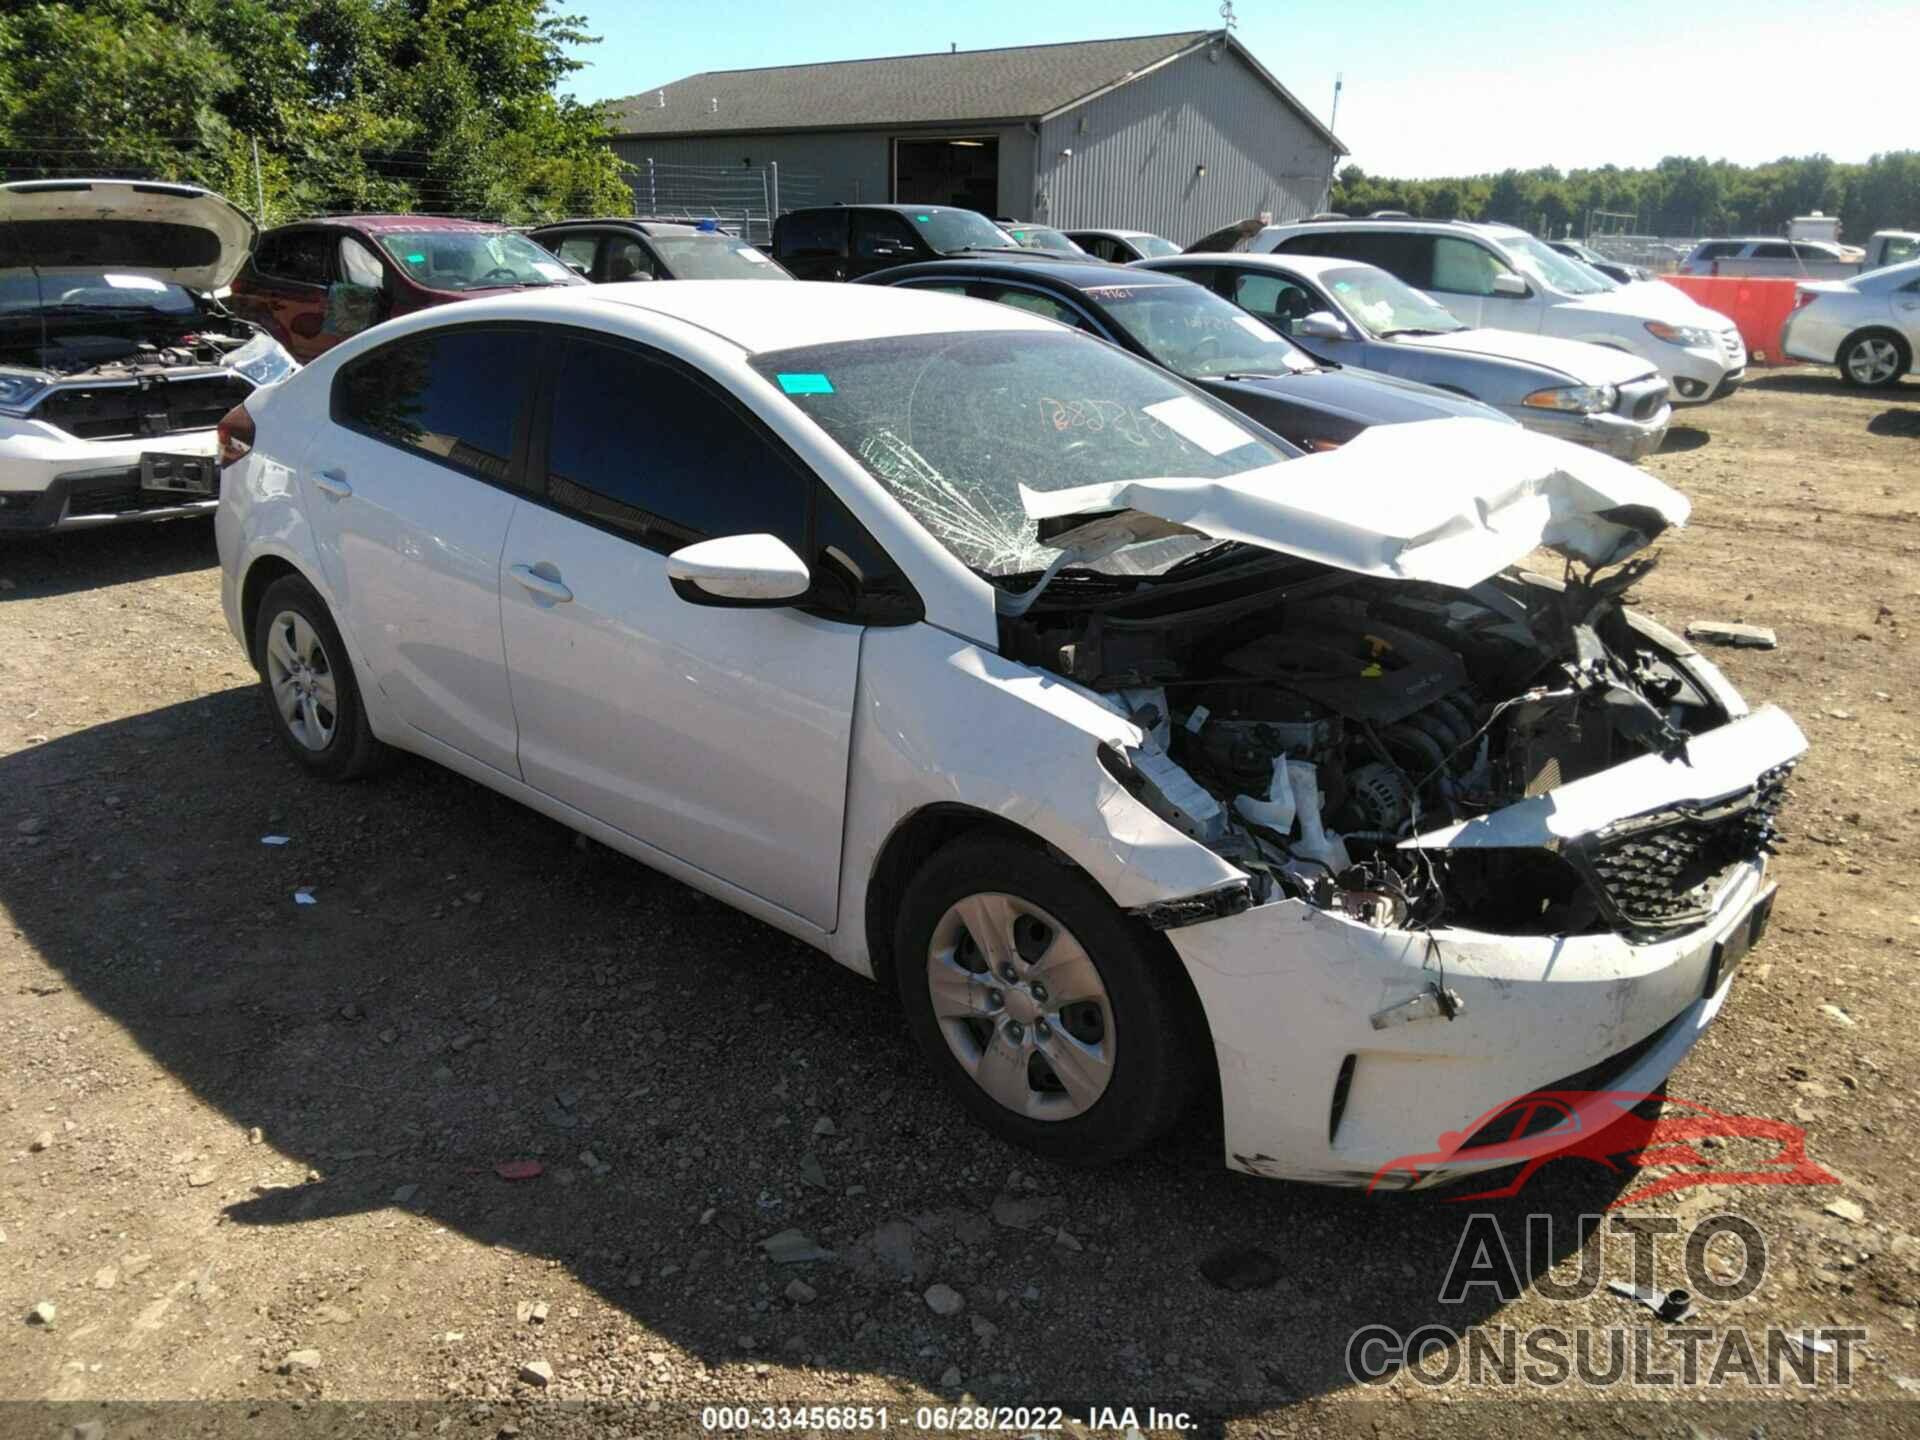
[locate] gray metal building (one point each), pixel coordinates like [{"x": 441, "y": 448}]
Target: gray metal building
[{"x": 1178, "y": 134}]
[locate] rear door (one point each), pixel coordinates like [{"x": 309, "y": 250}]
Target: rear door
[
  {"x": 409, "y": 492},
  {"x": 812, "y": 244},
  {"x": 717, "y": 735}
]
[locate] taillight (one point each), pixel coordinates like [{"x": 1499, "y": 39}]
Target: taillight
[
  {"x": 1803, "y": 298},
  {"x": 235, "y": 435}
]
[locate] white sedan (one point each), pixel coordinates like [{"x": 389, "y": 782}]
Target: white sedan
[
  {"x": 1868, "y": 326},
  {"x": 1133, "y": 750}
]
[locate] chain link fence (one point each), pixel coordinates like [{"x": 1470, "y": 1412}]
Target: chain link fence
[{"x": 742, "y": 200}]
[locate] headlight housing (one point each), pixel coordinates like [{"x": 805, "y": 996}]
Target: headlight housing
[
  {"x": 20, "y": 390},
  {"x": 1578, "y": 399},
  {"x": 263, "y": 360},
  {"x": 1687, "y": 335}
]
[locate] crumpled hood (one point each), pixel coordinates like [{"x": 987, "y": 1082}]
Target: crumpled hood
[
  {"x": 1449, "y": 501},
  {"x": 1585, "y": 364},
  {"x": 177, "y": 233},
  {"x": 1653, "y": 300}
]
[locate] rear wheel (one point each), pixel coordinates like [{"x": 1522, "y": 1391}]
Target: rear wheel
[
  {"x": 308, "y": 682},
  {"x": 1873, "y": 358},
  {"x": 1059, "y": 1023}
]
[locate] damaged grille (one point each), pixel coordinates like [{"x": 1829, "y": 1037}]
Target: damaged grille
[
  {"x": 156, "y": 406},
  {"x": 1661, "y": 871}
]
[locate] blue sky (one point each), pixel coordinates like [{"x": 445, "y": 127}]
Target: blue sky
[{"x": 1444, "y": 87}]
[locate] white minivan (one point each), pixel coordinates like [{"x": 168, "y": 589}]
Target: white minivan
[{"x": 1504, "y": 279}]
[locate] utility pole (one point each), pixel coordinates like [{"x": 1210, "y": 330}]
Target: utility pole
[{"x": 259, "y": 188}]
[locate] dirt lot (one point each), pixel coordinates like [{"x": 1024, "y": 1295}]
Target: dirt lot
[{"x": 235, "y": 1127}]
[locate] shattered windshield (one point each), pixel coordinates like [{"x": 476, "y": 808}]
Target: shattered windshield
[
  {"x": 1386, "y": 306},
  {"x": 1192, "y": 331},
  {"x": 953, "y": 425},
  {"x": 474, "y": 259}
]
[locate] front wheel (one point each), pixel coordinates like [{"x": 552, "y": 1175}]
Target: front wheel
[
  {"x": 1873, "y": 359},
  {"x": 309, "y": 684},
  {"x": 1058, "y": 1023}
]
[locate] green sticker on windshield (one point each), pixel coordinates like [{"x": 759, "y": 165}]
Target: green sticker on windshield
[
  {"x": 416, "y": 259},
  {"x": 923, "y": 218},
  {"x": 804, "y": 383}
]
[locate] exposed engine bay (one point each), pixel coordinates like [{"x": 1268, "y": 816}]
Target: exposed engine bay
[
  {"x": 1305, "y": 722},
  {"x": 158, "y": 374}
]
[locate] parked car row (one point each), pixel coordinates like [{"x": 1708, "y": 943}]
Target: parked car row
[{"x": 1088, "y": 666}]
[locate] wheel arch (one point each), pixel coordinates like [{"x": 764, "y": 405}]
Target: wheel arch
[
  {"x": 1900, "y": 344},
  {"x": 931, "y": 829},
  {"x": 260, "y": 576}
]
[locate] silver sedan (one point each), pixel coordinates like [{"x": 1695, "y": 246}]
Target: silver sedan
[
  {"x": 1868, "y": 326},
  {"x": 1345, "y": 313}
]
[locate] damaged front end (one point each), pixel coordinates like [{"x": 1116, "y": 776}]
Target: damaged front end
[
  {"x": 1321, "y": 731},
  {"x": 1320, "y": 715},
  {"x": 1499, "y": 833}
]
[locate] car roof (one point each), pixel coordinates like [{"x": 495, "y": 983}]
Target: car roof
[
  {"x": 634, "y": 222},
  {"x": 390, "y": 224},
  {"x": 1312, "y": 266},
  {"x": 1492, "y": 228},
  {"x": 807, "y": 312},
  {"x": 1069, "y": 274},
  {"x": 885, "y": 205},
  {"x": 1118, "y": 234}
]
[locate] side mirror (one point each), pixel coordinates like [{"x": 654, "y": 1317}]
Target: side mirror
[
  {"x": 1324, "y": 325},
  {"x": 739, "y": 570},
  {"x": 1508, "y": 283},
  {"x": 351, "y": 309},
  {"x": 578, "y": 267}
]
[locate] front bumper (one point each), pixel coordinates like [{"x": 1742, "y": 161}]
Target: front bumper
[
  {"x": 1620, "y": 436},
  {"x": 1314, "y": 1087},
  {"x": 52, "y": 481},
  {"x": 1701, "y": 374}
]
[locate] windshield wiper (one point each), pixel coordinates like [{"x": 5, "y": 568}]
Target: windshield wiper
[{"x": 1417, "y": 330}]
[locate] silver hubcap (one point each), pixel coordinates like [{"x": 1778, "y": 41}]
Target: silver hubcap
[
  {"x": 301, "y": 677},
  {"x": 1872, "y": 362},
  {"x": 1022, "y": 1006}
]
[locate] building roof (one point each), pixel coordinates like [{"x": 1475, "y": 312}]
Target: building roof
[{"x": 1020, "y": 82}]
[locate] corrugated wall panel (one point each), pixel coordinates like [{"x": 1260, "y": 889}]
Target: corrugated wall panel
[
  {"x": 1136, "y": 151},
  {"x": 824, "y": 166}
]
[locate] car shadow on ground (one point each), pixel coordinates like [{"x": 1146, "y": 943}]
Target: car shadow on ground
[
  {"x": 1897, "y": 422},
  {"x": 473, "y": 986},
  {"x": 1822, "y": 382},
  {"x": 60, "y": 564},
  {"x": 1682, "y": 438}
]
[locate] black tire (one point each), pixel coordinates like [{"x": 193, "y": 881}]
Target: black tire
[
  {"x": 1156, "y": 1031},
  {"x": 1902, "y": 355},
  {"x": 347, "y": 748}
]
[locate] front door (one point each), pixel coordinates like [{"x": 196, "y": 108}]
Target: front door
[
  {"x": 717, "y": 735},
  {"x": 409, "y": 492}
]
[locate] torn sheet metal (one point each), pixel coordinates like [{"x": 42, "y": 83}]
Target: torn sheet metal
[
  {"x": 1452, "y": 501},
  {"x": 1717, "y": 764}
]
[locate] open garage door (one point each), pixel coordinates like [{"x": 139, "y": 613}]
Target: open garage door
[{"x": 961, "y": 170}]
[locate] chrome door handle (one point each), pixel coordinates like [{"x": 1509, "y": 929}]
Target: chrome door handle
[
  {"x": 540, "y": 584},
  {"x": 334, "y": 482}
]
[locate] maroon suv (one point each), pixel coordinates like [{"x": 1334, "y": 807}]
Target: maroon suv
[{"x": 313, "y": 284}]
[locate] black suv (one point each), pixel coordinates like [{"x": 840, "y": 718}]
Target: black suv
[
  {"x": 844, "y": 242},
  {"x": 615, "y": 249}
]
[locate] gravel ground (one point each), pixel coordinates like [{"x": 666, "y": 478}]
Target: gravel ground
[{"x": 250, "y": 1146}]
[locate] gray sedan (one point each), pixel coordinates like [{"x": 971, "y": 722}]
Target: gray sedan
[
  {"x": 1868, "y": 326},
  {"x": 1345, "y": 313}
]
